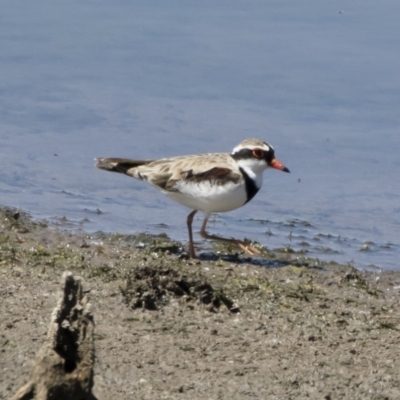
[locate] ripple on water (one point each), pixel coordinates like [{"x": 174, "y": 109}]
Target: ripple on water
[{"x": 302, "y": 235}]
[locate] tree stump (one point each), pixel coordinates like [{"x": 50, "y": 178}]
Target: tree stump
[{"x": 64, "y": 365}]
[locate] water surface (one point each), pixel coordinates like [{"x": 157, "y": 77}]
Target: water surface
[{"x": 148, "y": 79}]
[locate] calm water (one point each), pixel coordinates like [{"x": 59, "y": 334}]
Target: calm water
[{"x": 319, "y": 80}]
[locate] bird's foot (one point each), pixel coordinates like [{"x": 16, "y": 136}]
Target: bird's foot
[
  {"x": 243, "y": 245},
  {"x": 247, "y": 248}
]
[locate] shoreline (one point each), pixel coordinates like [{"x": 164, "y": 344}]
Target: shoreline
[{"x": 219, "y": 327}]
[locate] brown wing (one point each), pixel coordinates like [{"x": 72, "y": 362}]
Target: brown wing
[
  {"x": 165, "y": 173},
  {"x": 216, "y": 175}
]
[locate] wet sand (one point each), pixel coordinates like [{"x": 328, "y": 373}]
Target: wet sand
[{"x": 218, "y": 328}]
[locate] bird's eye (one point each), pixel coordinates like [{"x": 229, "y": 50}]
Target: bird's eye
[{"x": 258, "y": 153}]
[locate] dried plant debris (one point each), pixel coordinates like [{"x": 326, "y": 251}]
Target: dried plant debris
[{"x": 64, "y": 365}]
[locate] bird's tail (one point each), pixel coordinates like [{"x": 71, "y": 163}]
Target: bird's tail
[{"x": 121, "y": 165}]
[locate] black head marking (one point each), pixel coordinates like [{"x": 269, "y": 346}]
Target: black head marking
[{"x": 257, "y": 152}]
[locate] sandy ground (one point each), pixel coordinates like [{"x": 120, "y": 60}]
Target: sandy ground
[{"x": 218, "y": 328}]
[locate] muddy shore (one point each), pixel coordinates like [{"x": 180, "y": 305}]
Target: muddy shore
[{"x": 280, "y": 326}]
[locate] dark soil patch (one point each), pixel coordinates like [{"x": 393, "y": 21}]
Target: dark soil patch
[{"x": 152, "y": 286}]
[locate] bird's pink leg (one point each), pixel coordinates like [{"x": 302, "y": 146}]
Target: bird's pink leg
[{"x": 189, "y": 221}]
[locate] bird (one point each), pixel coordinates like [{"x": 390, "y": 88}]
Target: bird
[{"x": 211, "y": 182}]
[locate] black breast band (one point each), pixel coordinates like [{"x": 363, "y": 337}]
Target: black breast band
[{"x": 251, "y": 187}]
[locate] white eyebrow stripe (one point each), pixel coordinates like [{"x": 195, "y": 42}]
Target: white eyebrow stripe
[{"x": 240, "y": 147}]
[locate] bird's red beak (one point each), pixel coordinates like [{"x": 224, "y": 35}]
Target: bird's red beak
[{"x": 278, "y": 165}]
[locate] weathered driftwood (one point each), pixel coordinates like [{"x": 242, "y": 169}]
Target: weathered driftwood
[{"x": 64, "y": 365}]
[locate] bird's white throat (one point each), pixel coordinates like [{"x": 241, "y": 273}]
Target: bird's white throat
[{"x": 254, "y": 169}]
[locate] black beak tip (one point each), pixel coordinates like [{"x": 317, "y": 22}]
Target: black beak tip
[{"x": 286, "y": 169}]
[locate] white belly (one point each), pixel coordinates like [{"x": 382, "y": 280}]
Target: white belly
[{"x": 210, "y": 198}]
